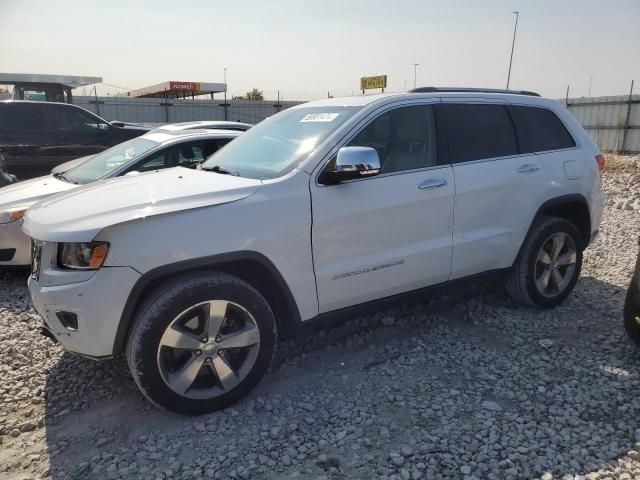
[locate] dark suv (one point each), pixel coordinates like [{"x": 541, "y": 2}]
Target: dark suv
[
  {"x": 632, "y": 304},
  {"x": 37, "y": 136}
]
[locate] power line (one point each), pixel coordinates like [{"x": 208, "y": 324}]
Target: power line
[{"x": 116, "y": 86}]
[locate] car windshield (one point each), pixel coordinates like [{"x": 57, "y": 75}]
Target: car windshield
[
  {"x": 109, "y": 160},
  {"x": 276, "y": 145}
]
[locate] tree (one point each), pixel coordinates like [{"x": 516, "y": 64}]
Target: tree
[{"x": 254, "y": 94}]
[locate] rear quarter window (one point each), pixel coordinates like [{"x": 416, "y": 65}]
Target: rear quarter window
[
  {"x": 22, "y": 118},
  {"x": 539, "y": 129}
]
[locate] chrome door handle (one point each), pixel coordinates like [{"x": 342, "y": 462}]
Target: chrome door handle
[
  {"x": 528, "y": 167},
  {"x": 432, "y": 183}
]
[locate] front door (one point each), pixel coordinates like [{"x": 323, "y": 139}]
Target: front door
[
  {"x": 78, "y": 133},
  {"x": 391, "y": 233}
]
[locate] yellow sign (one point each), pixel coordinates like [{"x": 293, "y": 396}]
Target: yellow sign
[{"x": 367, "y": 83}]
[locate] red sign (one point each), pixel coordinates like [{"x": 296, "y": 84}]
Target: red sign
[{"x": 184, "y": 86}]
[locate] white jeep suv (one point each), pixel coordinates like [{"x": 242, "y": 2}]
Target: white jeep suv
[{"x": 323, "y": 207}]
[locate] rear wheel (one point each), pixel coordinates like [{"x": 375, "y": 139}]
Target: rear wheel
[
  {"x": 201, "y": 343},
  {"x": 549, "y": 264}
]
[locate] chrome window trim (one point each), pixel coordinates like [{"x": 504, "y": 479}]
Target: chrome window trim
[
  {"x": 508, "y": 157},
  {"x": 391, "y": 174}
]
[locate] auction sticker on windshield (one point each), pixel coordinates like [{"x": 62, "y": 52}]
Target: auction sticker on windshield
[{"x": 319, "y": 117}]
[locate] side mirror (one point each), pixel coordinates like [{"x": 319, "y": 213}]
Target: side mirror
[
  {"x": 132, "y": 173},
  {"x": 352, "y": 163}
]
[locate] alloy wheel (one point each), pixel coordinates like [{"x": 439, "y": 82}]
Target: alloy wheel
[
  {"x": 208, "y": 349},
  {"x": 555, "y": 264}
]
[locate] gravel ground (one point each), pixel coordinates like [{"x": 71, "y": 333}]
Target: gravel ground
[{"x": 468, "y": 385}]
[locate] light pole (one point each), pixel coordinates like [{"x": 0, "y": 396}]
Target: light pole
[
  {"x": 415, "y": 73},
  {"x": 226, "y": 112},
  {"x": 590, "y": 80},
  {"x": 513, "y": 44}
]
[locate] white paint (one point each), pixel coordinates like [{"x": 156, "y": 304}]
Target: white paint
[{"x": 335, "y": 246}]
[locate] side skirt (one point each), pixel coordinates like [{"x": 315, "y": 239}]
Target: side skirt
[{"x": 328, "y": 319}]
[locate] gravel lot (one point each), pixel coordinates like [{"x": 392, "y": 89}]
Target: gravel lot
[{"x": 468, "y": 385}]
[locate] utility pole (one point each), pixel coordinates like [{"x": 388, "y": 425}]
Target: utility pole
[
  {"x": 513, "y": 44},
  {"x": 225, "y": 85},
  {"x": 590, "y": 81},
  {"x": 415, "y": 74},
  {"x": 226, "y": 113}
]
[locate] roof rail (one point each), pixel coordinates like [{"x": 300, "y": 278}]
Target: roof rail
[{"x": 471, "y": 90}]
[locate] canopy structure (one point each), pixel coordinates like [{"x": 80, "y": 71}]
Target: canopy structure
[
  {"x": 178, "y": 89},
  {"x": 52, "y": 88}
]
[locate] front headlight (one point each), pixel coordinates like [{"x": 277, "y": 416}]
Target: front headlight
[
  {"x": 8, "y": 216},
  {"x": 82, "y": 256}
]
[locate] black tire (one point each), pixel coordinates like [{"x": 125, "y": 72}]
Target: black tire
[
  {"x": 520, "y": 284},
  {"x": 632, "y": 309},
  {"x": 162, "y": 308}
]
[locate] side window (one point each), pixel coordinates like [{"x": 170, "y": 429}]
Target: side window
[
  {"x": 156, "y": 161},
  {"x": 69, "y": 119},
  {"x": 212, "y": 146},
  {"x": 539, "y": 129},
  {"x": 478, "y": 131},
  {"x": 405, "y": 138},
  {"x": 22, "y": 118},
  {"x": 189, "y": 154}
]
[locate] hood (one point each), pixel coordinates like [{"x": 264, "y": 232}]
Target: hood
[
  {"x": 79, "y": 215},
  {"x": 28, "y": 192}
]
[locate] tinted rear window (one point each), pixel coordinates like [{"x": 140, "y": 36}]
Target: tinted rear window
[
  {"x": 539, "y": 129},
  {"x": 479, "y": 131},
  {"x": 22, "y": 118}
]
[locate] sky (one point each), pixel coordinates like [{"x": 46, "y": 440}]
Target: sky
[{"x": 307, "y": 49}]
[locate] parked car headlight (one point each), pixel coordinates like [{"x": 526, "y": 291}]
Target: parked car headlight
[
  {"x": 7, "y": 216},
  {"x": 82, "y": 256}
]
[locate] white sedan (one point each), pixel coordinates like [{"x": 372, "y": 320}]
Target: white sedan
[{"x": 158, "y": 149}]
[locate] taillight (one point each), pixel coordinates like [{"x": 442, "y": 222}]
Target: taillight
[{"x": 600, "y": 162}]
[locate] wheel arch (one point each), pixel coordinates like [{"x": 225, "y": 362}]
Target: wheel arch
[
  {"x": 573, "y": 207},
  {"x": 250, "y": 266}
]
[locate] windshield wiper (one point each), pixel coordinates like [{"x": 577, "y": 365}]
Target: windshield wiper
[
  {"x": 61, "y": 176},
  {"x": 222, "y": 170}
]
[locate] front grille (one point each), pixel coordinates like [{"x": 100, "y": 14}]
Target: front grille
[{"x": 36, "y": 257}]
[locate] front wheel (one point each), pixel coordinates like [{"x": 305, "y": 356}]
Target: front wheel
[
  {"x": 201, "y": 343},
  {"x": 549, "y": 264}
]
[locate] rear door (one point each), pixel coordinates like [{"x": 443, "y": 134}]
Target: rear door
[
  {"x": 26, "y": 139},
  {"x": 498, "y": 188},
  {"x": 540, "y": 131}
]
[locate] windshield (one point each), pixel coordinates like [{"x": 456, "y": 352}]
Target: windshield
[
  {"x": 276, "y": 145},
  {"x": 109, "y": 160}
]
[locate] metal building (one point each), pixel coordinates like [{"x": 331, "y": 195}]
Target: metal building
[{"x": 51, "y": 88}]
